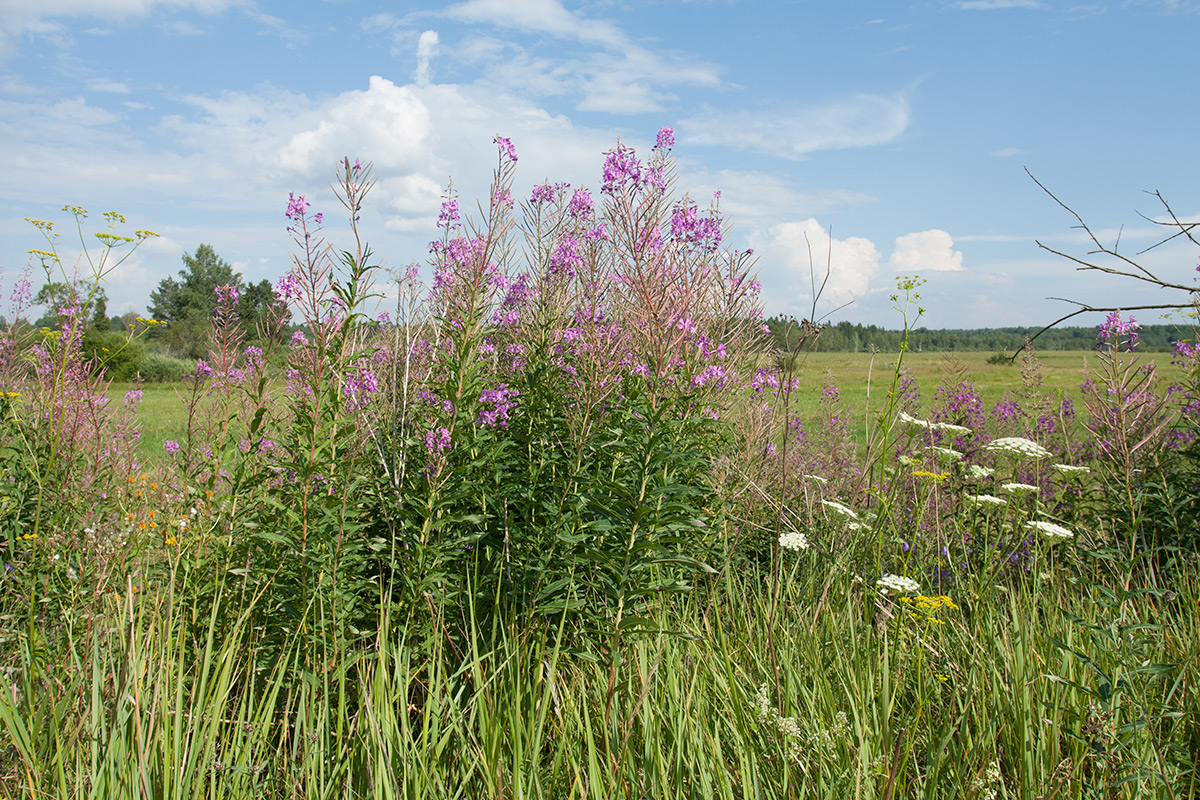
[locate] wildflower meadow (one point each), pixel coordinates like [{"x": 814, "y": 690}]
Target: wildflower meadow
[{"x": 548, "y": 523}]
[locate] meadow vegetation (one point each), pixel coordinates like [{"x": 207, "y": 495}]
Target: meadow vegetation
[{"x": 564, "y": 524}]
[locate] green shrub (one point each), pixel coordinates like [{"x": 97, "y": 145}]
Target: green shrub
[{"x": 159, "y": 368}]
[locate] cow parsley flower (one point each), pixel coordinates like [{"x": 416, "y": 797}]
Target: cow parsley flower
[
  {"x": 897, "y": 584},
  {"x": 794, "y": 541},
  {"x": 1050, "y": 531},
  {"x": 978, "y": 473},
  {"x": 985, "y": 500},
  {"x": 1017, "y": 447},
  {"x": 840, "y": 509},
  {"x": 913, "y": 422},
  {"x": 1069, "y": 469},
  {"x": 1018, "y": 488}
]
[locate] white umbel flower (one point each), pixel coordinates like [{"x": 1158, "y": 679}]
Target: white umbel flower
[
  {"x": 913, "y": 422},
  {"x": 839, "y": 509},
  {"x": 1069, "y": 469},
  {"x": 897, "y": 584},
  {"x": 1049, "y": 530},
  {"x": 1018, "y": 488},
  {"x": 947, "y": 454},
  {"x": 985, "y": 500},
  {"x": 794, "y": 541},
  {"x": 953, "y": 430},
  {"x": 978, "y": 473},
  {"x": 1017, "y": 447}
]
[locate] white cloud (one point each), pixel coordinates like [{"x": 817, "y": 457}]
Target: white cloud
[
  {"x": 611, "y": 73},
  {"x": 925, "y": 251},
  {"x": 103, "y": 85},
  {"x": 427, "y": 48},
  {"x": 857, "y": 121},
  {"x": 990, "y": 5},
  {"x": 802, "y": 249},
  {"x": 540, "y": 16}
]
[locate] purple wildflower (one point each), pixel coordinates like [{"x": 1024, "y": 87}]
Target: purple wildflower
[
  {"x": 448, "y": 215},
  {"x": 296, "y": 207},
  {"x": 665, "y": 139},
  {"x": 506, "y": 147},
  {"x": 543, "y": 193},
  {"x": 581, "y": 205}
]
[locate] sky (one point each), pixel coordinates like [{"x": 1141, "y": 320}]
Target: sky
[{"x": 887, "y": 138}]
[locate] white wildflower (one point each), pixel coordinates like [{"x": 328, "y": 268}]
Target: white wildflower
[
  {"x": 897, "y": 584},
  {"x": 984, "y": 500},
  {"x": 913, "y": 422},
  {"x": 953, "y": 430},
  {"x": 1017, "y": 447},
  {"x": 1069, "y": 469},
  {"x": 794, "y": 541},
  {"x": 1018, "y": 488},
  {"x": 978, "y": 473},
  {"x": 947, "y": 454},
  {"x": 1049, "y": 530},
  {"x": 839, "y": 509}
]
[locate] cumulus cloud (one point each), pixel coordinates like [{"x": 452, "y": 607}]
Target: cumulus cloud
[
  {"x": 427, "y": 48},
  {"x": 801, "y": 248},
  {"x": 857, "y": 121},
  {"x": 925, "y": 251}
]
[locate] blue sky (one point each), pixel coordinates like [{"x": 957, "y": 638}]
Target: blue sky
[{"x": 901, "y": 128}]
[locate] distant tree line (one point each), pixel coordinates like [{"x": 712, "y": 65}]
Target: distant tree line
[
  {"x": 851, "y": 337},
  {"x": 185, "y": 304}
]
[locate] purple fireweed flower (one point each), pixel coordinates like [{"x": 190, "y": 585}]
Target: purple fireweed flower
[
  {"x": 254, "y": 355},
  {"x": 171, "y": 446},
  {"x": 621, "y": 165},
  {"x": 665, "y": 139},
  {"x": 203, "y": 370},
  {"x": 296, "y": 207},
  {"x": 133, "y": 397},
  {"x": 287, "y": 288},
  {"x": 299, "y": 339},
  {"x": 448, "y": 215},
  {"x": 506, "y": 147},
  {"x": 1114, "y": 329},
  {"x": 227, "y": 294},
  {"x": 581, "y": 205},
  {"x": 542, "y": 193},
  {"x": 567, "y": 258},
  {"x": 384, "y": 318},
  {"x": 598, "y": 234},
  {"x": 502, "y": 400},
  {"x": 688, "y": 226},
  {"x": 437, "y": 440}
]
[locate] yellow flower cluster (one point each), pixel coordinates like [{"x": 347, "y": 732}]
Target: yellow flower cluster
[
  {"x": 927, "y": 607},
  {"x": 932, "y": 477}
]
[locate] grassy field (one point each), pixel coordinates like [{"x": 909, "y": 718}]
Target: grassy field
[{"x": 162, "y": 414}]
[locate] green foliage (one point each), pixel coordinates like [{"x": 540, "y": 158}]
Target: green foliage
[
  {"x": 159, "y": 368},
  {"x": 186, "y": 303}
]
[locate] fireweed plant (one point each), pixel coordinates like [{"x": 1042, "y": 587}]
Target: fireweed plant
[{"x": 553, "y": 526}]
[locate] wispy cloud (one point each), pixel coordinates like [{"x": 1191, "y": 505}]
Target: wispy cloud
[
  {"x": 1007, "y": 152},
  {"x": 857, "y": 121},
  {"x": 991, "y": 5}
]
